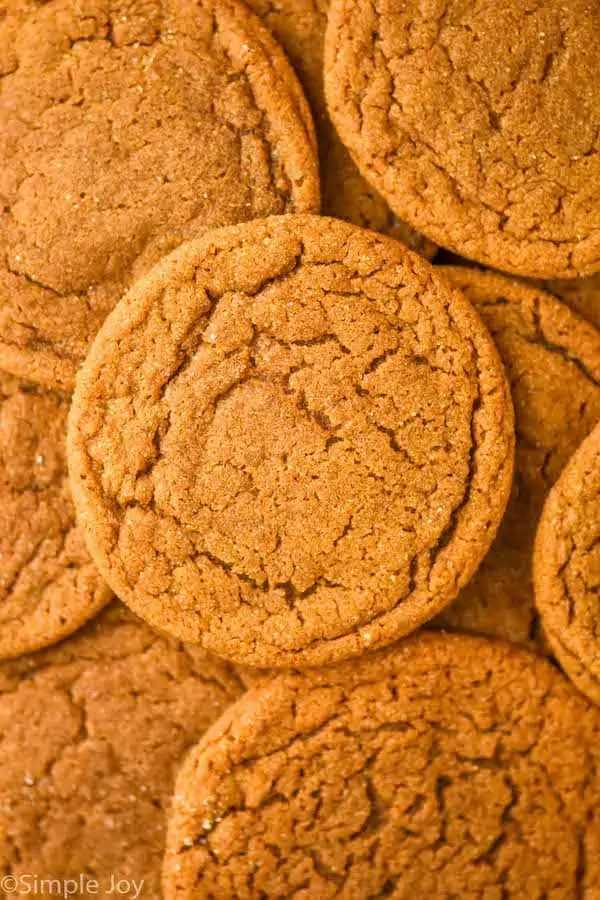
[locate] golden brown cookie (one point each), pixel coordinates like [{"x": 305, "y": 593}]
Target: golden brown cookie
[
  {"x": 582, "y": 295},
  {"x": 552, "y": 359},
  {"x": 48, "y": 583},
  {"x": 91, "y": 734},
  {"x": 478, "y": 122},
  {"x": 124, "y": 129},
  {"x": 299, "y": 26},
  {"x": 291, "y": 441},
  {"x": 446, "y": 767},
  {"x": 567, "y": 567}
]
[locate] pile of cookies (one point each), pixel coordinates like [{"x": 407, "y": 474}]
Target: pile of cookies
[{"x": 299, "y": 449}]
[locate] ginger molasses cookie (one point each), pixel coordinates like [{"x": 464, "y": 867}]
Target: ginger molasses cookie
[
  {"x": 290, "y": 442},
  {"x": 299, "y": 26},
  {"x": 582, "y": 295},
  {"x": 552, "y": 359},
  {"x": 124, "y": 129},
  {"x": 91, "y": 734},
  {"x": 567, "y": 567},
  {"x": 48, "y": 583},
  {"x": 478, "y": 122},
  {"x": 448, "y": 766}
]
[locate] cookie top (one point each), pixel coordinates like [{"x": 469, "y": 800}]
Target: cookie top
[
  {"x": 478, "y": 122},
  {"x": 48, "y": 583},
  {"x": 552, "y": 360},
  {"x": 124, "y": 129},
  {"x": 450, "y": 766},
  {"x": 567, "y": 567},
  {"x": 91, "y": 734},
  {"x": 299, "y": 26},
  {"x": 291, "y": 441},
  {"x": 582, "y": 295}
]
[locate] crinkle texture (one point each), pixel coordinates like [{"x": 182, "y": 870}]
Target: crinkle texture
[
  {"x": 567, "y": 567},
  {"x": 478, "y": 122},
  {"x": 292, "y": 441},
  {"x": 91, "y": 734},
  {"x": 552, "y": 360},
  {"x": 449, "y": 766},
  {"x": 299, "y": 26},
  {"x": 581, "y": 294},
  {"x": 125, "y": 128},
  {"x": 48, "y": 583}
]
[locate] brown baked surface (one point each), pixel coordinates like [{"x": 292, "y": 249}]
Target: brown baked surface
[
  {"x": 449, "y": 766},
  {"x": 292, "y": 441},
  {"x": 582, "y": 295},
  {"x": 567, "y": 567},
  {"x": 299, "y": 26},
  {"x": 91, "y": 734},
  {"x": 125, "y": 129},
  {"x": 478, "y": 122},
  {"x": 48, "y": 584},
  {"x": 552, "y": 361}
]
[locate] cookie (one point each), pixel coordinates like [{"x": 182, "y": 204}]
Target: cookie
[
  {"x": 552, "y": 359},
  {"x": 582, "y": 295},
  {"x": 124, "y": 129},
  {"x": 91, "y": 734},
  {"x": 447, "y": 767},
  {"x": 567, "y": 567},
  {"x": 478, "y": 122},
  {"x": 299, "y": 26},
  {"x": 48, "y": 583},
  {"x": 290, "y": 442}
]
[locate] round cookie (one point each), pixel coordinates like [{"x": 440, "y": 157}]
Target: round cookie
[
  {"x": 478, "y": 122},
  {"x": 566, "y": 567},
  {"x": 552, "y": 360},
  {"x": 91, "y": 734},
  {"x": 299, "y": 26},
  {"x": 291, "y": 441},
  {"x": 125, "y": 129},
  {"x": 449, "y": 766},
  {"x": 582, "y": 295},
  {"x": 48, "y": 583}
]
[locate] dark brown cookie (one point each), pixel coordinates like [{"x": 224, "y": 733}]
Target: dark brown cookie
[
  {"x": 449, "y": 766},
  {"x": 292, "y": 441},
  {"x": 91, "y": 734},
  {"x": 48, "y": 583},
  {"x": 567, "y": 567},
  {"x": 299, "y": 26},
  {"x": 582, "y": 295},
  {"x": 478, "y": 122},
  {"x": 552, "y": 359},
  {"x": 124, "y": 129}
]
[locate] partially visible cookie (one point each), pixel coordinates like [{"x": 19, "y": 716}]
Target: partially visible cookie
[
  {"x": 552, "y": 360},
  {"x": 292, "y": 441},
  {"x": 126, "y": 128},
  {"x": 449, "y": 766},
  {"x": 299, "y": 26},
  {"x": 478, "y": 122},
  {"x": 582, "y": 295},
  {"x": 48, "y": 583},
  {"x": 91, "y": 734},
  {"x": 567, "y": 567}
]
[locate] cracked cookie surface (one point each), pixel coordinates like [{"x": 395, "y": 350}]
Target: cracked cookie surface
[
  {"x": 91, "y": 734},
  {"x": 48, "y": 583},
  {"x": 552, "y": 360},
  {"x": 292, "y": 441},
  {"x": 126, "y": 128},
  {"x": 448, "y": 766},
  {"x": 567, "y": 567},
  {"x": 581, "y": 294},
  {"x": 478, "y": 122},
  {"x": 299, "y": 26}
]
